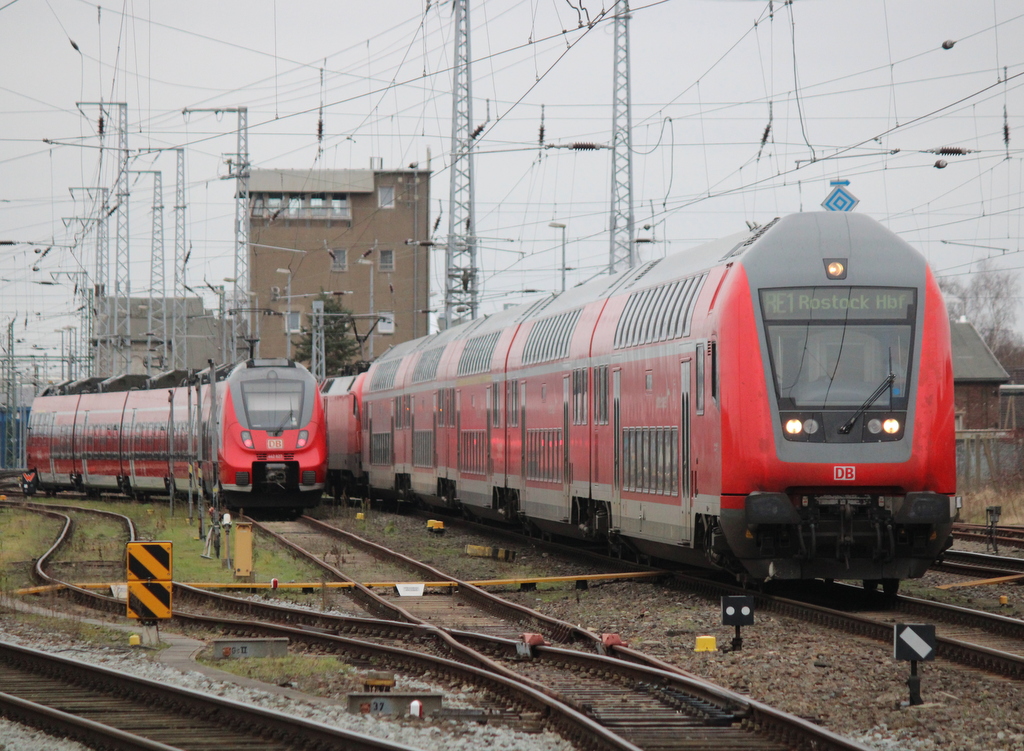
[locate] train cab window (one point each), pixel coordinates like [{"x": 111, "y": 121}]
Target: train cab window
[
  {"x": 273, "y": 404},
  {"x": 699, "y": 362},
  {"x": 837, "y": 347}
]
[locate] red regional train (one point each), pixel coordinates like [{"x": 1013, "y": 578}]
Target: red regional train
[
  {"x": 258, "y": 435},
  {"x": 777, "y": 403}
]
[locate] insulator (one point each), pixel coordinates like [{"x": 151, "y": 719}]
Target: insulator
[
  {"x": 951, "y": 151},
  {"x": 540, "y": 136},
  {"x": 948, "y": 44},
  {"x": 437, "y": 223},
  {"x": 584, "y": 146},
  {"x": 320, "y": 129},
  {"x": 100, "y": 126},
  {"x": 941, "y": 164},
  {"x": 476, "y": 132},
  {"x": 767, "y": 132}
]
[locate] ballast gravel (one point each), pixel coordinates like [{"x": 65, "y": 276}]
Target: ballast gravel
[{"x": 428, "y": 735}]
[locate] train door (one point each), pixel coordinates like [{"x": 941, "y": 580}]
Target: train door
[
  {"x": 566, "y": 471},
  {"x": 617, "y": 448},
  {"x": 488, "y": 417},
  {"x": 682, "y": 474},
  {"x": 133, "y": 448},
  {"x": 86, "y": 446}
]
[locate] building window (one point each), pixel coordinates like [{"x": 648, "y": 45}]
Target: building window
[
  {"x": 339, "y": 259},
  {"x": 386, "y": 196},
  {"x": 274, "y": 202},
  {"x": 340, "y": 207},
  {"x": 259, "y": 205},
  {"x": 294, "y": 204},
  {"x": 293, "y": 321},
  {"x": 318, "y": 206},
  {"x": 387, "y": 260}
]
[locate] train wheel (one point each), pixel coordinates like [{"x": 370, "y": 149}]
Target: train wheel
[
  {"x": 871, "y": 585},
  {"x": 890, "y": 587}
]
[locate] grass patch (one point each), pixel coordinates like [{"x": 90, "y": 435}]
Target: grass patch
[
  {"x": 153, "y": 521},
  {"x": 24, "y": 536},
  {"x": 74, "y": 631},
  {"x": 975, "y": 502},
  {"x": 322, "y": 675}
]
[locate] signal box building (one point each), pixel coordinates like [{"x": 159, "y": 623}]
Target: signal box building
[
  {"x": 358, "y": 234},
  {"x": 977, "y": 375}
]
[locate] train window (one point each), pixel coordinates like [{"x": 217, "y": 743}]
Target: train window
[
  {"x": 397, "y": 410},
  {"x": 549, "y": 339},
  {"x": 699, "y": 362},
  {"x": 601, "y": 395},
  {"x": 657, "y": 314},
  {"x": 496, "y": 405},
  {"x": 476, "y": 357},
  {"x": 426, "y": 366},
  {"x": 713, "y": 365},
  {"x": 512, "y": 402},
  {"x": 579, "y": 396},
  {"x": 649, "y": 381}
]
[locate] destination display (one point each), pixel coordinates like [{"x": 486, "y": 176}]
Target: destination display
[{"x": 837, "y": 303}]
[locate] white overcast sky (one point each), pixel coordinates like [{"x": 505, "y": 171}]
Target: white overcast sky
[{"x": 852, "y": 90}]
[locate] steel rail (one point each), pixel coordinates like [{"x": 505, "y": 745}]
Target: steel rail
[{"x": 227, "y": 713}]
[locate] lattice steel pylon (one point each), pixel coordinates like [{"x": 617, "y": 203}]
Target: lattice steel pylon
[
  {"x": 156, "y": 319},
  {"x": 179, "y": 324},
  {"x": 238, "y": 169},
  {"x": 318, "y": 359},
  {"x": 461, "y": 278},
  {"x": 623, "y": 250},
  {"x": 122, "y": 257}
]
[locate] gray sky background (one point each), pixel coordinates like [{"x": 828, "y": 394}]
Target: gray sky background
[{"x": 852, "y": 90}]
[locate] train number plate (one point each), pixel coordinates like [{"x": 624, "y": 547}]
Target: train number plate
[{"x": 275, "y": 443}]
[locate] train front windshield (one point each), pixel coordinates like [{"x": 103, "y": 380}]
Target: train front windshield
[
  {"x": 273, "y": 404},
  {"x": 840, "y": 346}
]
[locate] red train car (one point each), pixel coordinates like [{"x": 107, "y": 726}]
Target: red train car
[
  {"x": 778, "y": 403},
  {"x": 344, "y": 440},
  {"x": 255, "y": 433}
]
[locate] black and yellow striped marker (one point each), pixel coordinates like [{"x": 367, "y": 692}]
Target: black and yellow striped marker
[{"x": 149, "y": 572}]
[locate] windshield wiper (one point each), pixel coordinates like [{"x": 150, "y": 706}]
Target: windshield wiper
[
  {"x": 847, "y": 426},
  {"x": 280, "y": 428}
]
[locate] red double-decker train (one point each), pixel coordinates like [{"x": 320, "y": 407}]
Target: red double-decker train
[
  {"x": 777, "y": 403},
  {"x": 255, "y": 433}
]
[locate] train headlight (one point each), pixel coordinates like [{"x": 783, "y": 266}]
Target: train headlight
[
  {"x": 303, "y": 439},
  {"x": 835, "y": 268},
  {"x": 811, "y": 426},
  {"x": 875, "y": 426},
  {"x": 793, "y": 427},
  {"x": 247, "y": 439},
  {"x": 891, "y": 426}
]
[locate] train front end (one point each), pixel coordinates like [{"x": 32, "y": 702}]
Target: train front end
[
  {"x": 273, "y": 447},
  {"x": 843, "y": 427}
]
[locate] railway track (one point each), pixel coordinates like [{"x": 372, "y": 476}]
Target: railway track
[
  {"x": 978, "y": 565},
  {"x": 585, "y": 697},
  {"x": 1011, "y": 537},
  {"x": 109, "y": 709}
]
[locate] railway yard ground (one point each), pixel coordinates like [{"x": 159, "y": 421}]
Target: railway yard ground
[{"x": 848, "y": 684}]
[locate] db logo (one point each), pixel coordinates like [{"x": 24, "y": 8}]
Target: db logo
[{"x": 844, "y": 473}]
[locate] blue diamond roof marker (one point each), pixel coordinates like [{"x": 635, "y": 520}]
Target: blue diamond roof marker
[{"x": 840, "y": 199}]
